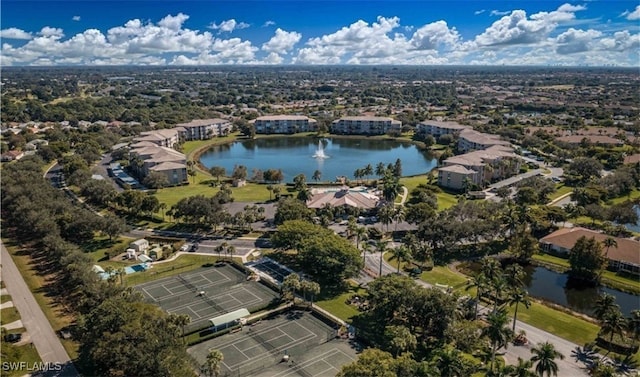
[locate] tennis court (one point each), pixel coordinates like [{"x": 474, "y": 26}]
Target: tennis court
[
  {"x": 270, "y": 268},
  {"x": 206, "y": 293},
  {"x": 259, "y": 348}
]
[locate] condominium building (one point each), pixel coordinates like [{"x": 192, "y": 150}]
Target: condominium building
[
  {"x": 284, "y": 124},
  {"x": 365, "y": 125},
  {"x": 469, "y": 140},
  {"x": 437, "y": 128},
  {"x": 495, "y": 162},
  {"x": 202, "y": 129},
  {"x": 162, "y": 138},
  {"x": 160, "y": 159}
]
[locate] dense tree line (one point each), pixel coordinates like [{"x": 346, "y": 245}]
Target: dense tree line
[{"x": 118, "y": 333}]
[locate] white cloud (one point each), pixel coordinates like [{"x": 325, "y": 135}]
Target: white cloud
[
  {"x": 173, "y": 22},
  {"x": 15, "y": 33},
  {"x": 268, "y": 23},
  {"x": 479, "y": 11},
  {"x": 282, "y": 41},
  {"x": 499, "y": 13},
  {"x": 431, "y": 36},
  {"x": 573, "y": 41},
  {"x": 75, "y": 18},
  {"x": 48, "y": 31},
  {"x": 632, "y": 16},
  {"x": 228, "y": 26},
  {"x": 273, "y": 58}
]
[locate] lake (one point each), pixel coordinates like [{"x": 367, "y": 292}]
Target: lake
[
  {"x": 295, "y": 155},
  {"x": 552, "y": 286}
]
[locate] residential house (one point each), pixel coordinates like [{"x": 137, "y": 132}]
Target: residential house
[
  {"x": 140, "y": 246},
  {"x": 284, "y": 124},
  {"x": 456, "y": 177},
  {"x": 202, "y": 129},
  {"x": 12, "y": 155},
  {"x": 625, "y": 256},
  {"x": 343, "y": 197},
  {"x": 162, "y": 160},
  {"x": 365, "y": 125},
  {"x": 591, "y": 139},
  {"x": 633, "y": 159}
]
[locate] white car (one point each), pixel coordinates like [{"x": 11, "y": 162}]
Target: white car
[{"x": 185, "y": 247}]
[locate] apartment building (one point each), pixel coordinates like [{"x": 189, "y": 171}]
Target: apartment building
[
  {"x": 147, "y": 158},
  {"x": 469, "y": 140},
  {"x": 284, "y": 124},
  {"x": 365, "y": 125},
  {"x": 495, "y": 162},
  {"x": 202, "y": 129},
  {"x": 163, "y": 138},
  {"x": 437, "y": 128}
]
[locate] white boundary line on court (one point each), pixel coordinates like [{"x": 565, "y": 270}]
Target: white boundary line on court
[{"x": 320, "y": 358}]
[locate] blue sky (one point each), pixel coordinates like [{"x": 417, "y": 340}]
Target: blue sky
[{"x": 596, "y": 33}]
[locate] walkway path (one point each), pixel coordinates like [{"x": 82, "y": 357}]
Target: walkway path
[
  {"x": 35, "y": 322},
  {"x": 403, "y": 196}
]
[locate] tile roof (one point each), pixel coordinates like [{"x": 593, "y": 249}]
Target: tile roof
[
  {"x": 344, "y": 197},
  {"x": 457, "y": 169},
  {"x": 627, "y": 250},
  {"x": 203, "y": 122}
]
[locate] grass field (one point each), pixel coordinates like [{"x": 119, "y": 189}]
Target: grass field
[
  {"x": 28, "y": 354},
  {"x": 5, "y": 298},
  {"x": 181, "y": 264},
  {"x": 8, "y": 315},
  {"x": 561, "y": 189},
  {"x": 445, "y": 199},
  {"x": 633, "y": 195},
  {"x": 338, "y": 305}
]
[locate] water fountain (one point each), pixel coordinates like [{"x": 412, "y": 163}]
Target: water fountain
[{"x": 320, "y": 151}]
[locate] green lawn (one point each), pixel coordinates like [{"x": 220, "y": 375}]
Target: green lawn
[
  {"x": 182, "y": 264},
  {"x": 190, "y": 146},
  {"x": 412, "y": 182},
  {"x": 28, "y": 354},
  {"x": 561, "y": 189},
  {"x": 557, "y": 322},
  {"x": 252, "y": 192},
  {"x": 443, "y": 275},
  {"x": 635, "y": 194},
  {"x": 8, "y": 315},
  {"x": 446, "y": 200},
  {"x": 338, "y": 305},
  {"x": 5, "y": 298}
]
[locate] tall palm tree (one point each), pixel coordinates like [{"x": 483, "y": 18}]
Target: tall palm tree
[
  {"x": 514, "y": 275},
  {"x": 317, "y": 175},
  {"x": 481, "y": 283},
  {"x": 402, "y": 254},
  {"x": 605, "y": 304},
  {"x": 398, "y": 215},
  {"x": 522, "y": 369},
  {"x": 518, "y": 296},
  {"x": 498, "y": 332},
  {"x": 361, "y": 234},
  {"x": 368, "y": 171},
  {"x": 213, "y": 363},
  {"x": 182, "y": 320},
  {"x": 381, "y": 247},
  {"x": 385, "y": 215},
  {"x": 613, "y": 323},
  {"x": 450, "y": 362},
  {"x": 633, "y": 325},
  {"x": 608, "y": 243},
  {"x": 544, "y": 356},
  {"x": 380, "y": 169}
]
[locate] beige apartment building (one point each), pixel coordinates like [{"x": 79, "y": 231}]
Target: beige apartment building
[
  {"x": 163, "y": 138},
  {"x": 469, "y": 140},
  {"x": 437, "y": 128},
  {"x": 202, "y": 129},
  {"x": 365, "y": 125},
  {"x": 496, "y": 162},
  {"x": 284, "y": 124}
]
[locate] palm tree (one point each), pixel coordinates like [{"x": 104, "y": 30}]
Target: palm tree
[
  {"x": 518, "y": 296},
  {"x": 633, "y": 324},
  {"x": 544, "y": 355},
  {"x": 229, "y": 251},
  {"x": 380, "y": 169},
  {"x": 311, "y": 287},
  {"x": 381, "y": 247},
  {"x": 605, "y": 304},
  {"x": 514, "y": 273},
  {"x": 608, "y": 243},
  {"x": 450, "y": 362},
  {"x": 214, "y": 361},
  {"x": 398, "y": 215},
  {"x": 162, "y": 207},
  {"x": 182, "y": 320},
  {"x": 357, "y": 174},
  {"x": 402, "y": 254},
  {"x": 361, "y": 234},
  {"x": 317, "y": 175},
  {"x": 522, "y": 369},
  {"x": 498, "y": 333},
  {"x": 270, "y": 189},
  {"x": 368, "y": 171},
  {"x": 385, "y": 215},
  {"x": 481, "y": 283},
  {"x": 613, "y": 323}
]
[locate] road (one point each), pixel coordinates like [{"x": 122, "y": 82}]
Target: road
[{"x": 35, "y": 322}]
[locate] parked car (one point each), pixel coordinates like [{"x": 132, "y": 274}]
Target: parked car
[{"x": 13, "y": 338}]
